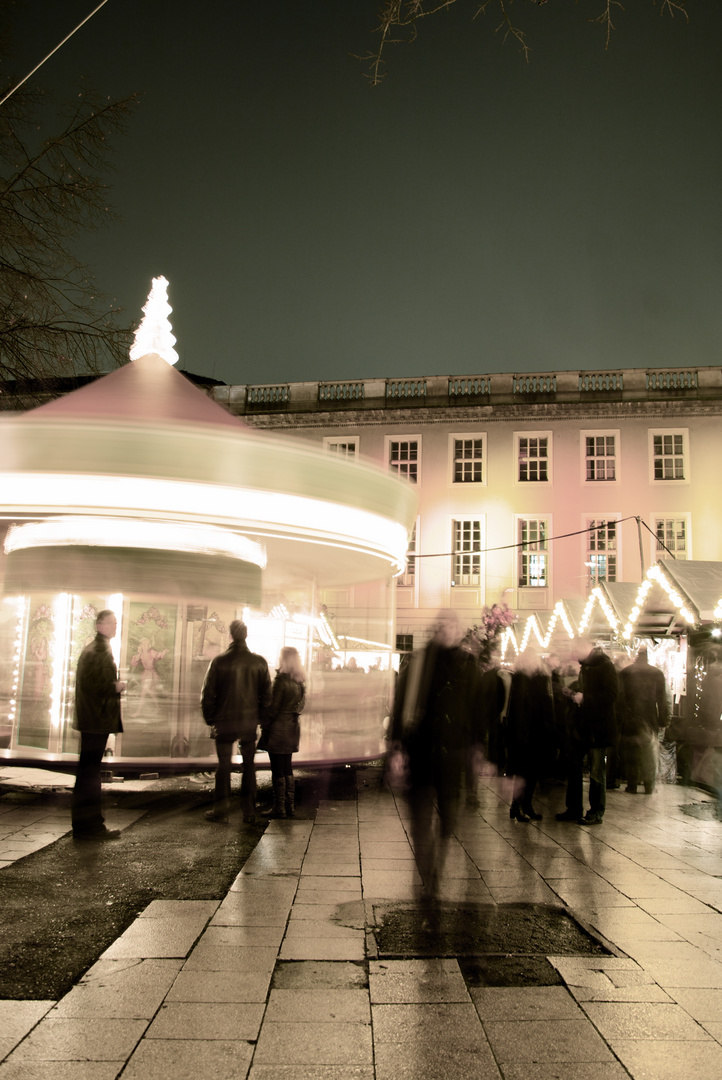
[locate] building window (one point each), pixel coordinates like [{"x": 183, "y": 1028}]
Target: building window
[
  {"x": 343, "y": 447},
  {"x": 671, "y": 537},
  {"x": 601, "y": 551},
  {"x": 466, "y": 559},
  {"x": 600, "y": 458},
  {"x": 533, "y": 553},
  {"x": 468, "y": 460},
  {"x": 669, "y": 454},
  {"x": 533, "y": 458},
  {"x": 409, "y": 575},
  {"x": 404, "y": 643},
  {"x": 404, "y": 458}
]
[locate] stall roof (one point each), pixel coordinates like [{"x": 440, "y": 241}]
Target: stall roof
[
  {"x": 677, "y": 595},
  {"x": 700, "y": 582}
]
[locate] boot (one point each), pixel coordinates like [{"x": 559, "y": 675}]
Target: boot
[
  {"x": 278, "y": 810},
  {"x": 290, "y": 796}
]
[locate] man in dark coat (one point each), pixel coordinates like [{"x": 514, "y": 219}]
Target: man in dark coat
[
  {"x": 96, "y": 715},
  {"x": 236, "y": 692},
  {"x": 599, "y": 689},
  {"x": 435, "y": 715},
  {"x": 644, "y": 710}
]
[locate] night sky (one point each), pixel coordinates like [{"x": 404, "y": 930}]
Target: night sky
[{"x": 473, "y": 214}]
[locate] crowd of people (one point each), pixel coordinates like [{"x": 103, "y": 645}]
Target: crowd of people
[
  {"x": 545, "y": 718},
  {"x": 453, "y": 714}
]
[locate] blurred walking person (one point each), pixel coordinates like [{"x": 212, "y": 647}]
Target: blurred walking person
[
  {"x": 597, "y": 697},
  {"x": 236, "y": 692},
  {"x": 434, "y": 715},
  {"x": 96, "y": 715},
  {"x": 529, "y": 732},
  {"x": 644, "y": 709},
  {"x": 281, "y": 730}
]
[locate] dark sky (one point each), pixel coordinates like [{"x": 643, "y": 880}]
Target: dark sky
[{"x": 473, "y": 214}]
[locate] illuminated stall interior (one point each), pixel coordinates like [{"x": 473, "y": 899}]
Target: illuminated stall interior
[{"x": 139, "y": 493}]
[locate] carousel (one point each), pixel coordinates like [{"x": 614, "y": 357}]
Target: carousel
[{"x": 140, "y": 494}]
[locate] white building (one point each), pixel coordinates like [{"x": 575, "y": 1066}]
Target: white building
[{"x": 531, "y": 487}]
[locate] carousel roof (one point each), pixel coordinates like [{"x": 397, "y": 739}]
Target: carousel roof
[{"x": 148, "y": 389}]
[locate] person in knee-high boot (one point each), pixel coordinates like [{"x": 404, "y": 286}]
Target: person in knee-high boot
[{"x": 282, "y": 730}]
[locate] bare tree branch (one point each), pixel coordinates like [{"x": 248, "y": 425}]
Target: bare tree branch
[
  {"x": 398, "y": 22},
  {"x": 53, "y": 321}
]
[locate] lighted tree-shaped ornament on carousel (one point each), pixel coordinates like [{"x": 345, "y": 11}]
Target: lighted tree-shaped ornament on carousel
[{"x": 154, "y": 334}]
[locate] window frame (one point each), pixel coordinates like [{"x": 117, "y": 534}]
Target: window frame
[
  {"x": 455, "y": 437},
  {"x": 670, "y": 481},
  {"x": 596, "y": 433},
  {"x": 604, "y": 519},
  {"x": 388, "y": 440},
  {"x": 519, "y": 551},
  {"x": 457, "y": 552},
  {"x": 349, "y": 440},
  {"x": 671, "y": 515},
  {"x": 549, "y": 436},
  {"x": 401, "y": 582}
]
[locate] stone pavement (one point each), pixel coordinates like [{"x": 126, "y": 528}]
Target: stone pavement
[{"x": 282, "y": 978}]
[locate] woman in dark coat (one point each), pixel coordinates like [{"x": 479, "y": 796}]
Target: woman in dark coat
[{"x": 282, "y": 730}]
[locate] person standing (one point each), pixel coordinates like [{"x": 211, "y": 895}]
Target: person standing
[
  {"x": 645, "y": 709},
  {"x": 236, "y": 692},
  {"x": 96, "y": 715},
  {"x": 282, "y": 730},
  {"x": 599, "y": 689},
  {"x": 434, "y": 715}
]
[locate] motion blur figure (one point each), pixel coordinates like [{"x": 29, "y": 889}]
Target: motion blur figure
[
  {"x": 236, "y": 692},
  {"x": 529, "y": 727},
  {"x": 644, "y": 710},
  {"x": 597, "y": 697},
  {"x": 435, "y": 710},
  {"x": 282, "y": 730},
  {"x": 96, "y": 716}
]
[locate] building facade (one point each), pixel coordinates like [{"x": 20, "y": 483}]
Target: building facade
[{"x": 531, "y": 488}]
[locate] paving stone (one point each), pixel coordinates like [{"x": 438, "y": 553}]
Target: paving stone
[
  {"x": 195, "y": 1020},
  {"x": 319, "y": 1006},
  {"x": 700, "y": 1004},
  {"x": 416, "y": 981},
  {"x": 227, "y": 958},
  {"x": 546, "y": 1040},
  {"x": 121, "y": 989},
  {"x": 223, "y": 986},
  {"x": 323, "y": 1044},
  {"x": 434, "y": 1026},
  {"x": 395, "y": 1061},
  {"x": 148, "y": 938},
  {"x": 79, "y": 1040},
  {"x": 569, "y": 1070},
  {"x": 349, "y": 947},
  {"x": 62, "y": 1070},
  {"x": 161, "y": 1059},
  {"x": 238, "y": 936},
  {"x": 528, "y": 1003},
  {"x": 667, "y": 1060},
  {"x": 312, "y": 1072},
  {"x": 643, "y": 1021},
  {"x": 319, "y": 974},
  {"x": 17, "y": 1018}
]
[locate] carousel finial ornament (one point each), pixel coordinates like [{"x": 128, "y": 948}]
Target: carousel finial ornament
[{"x": 154, "y": 334}]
